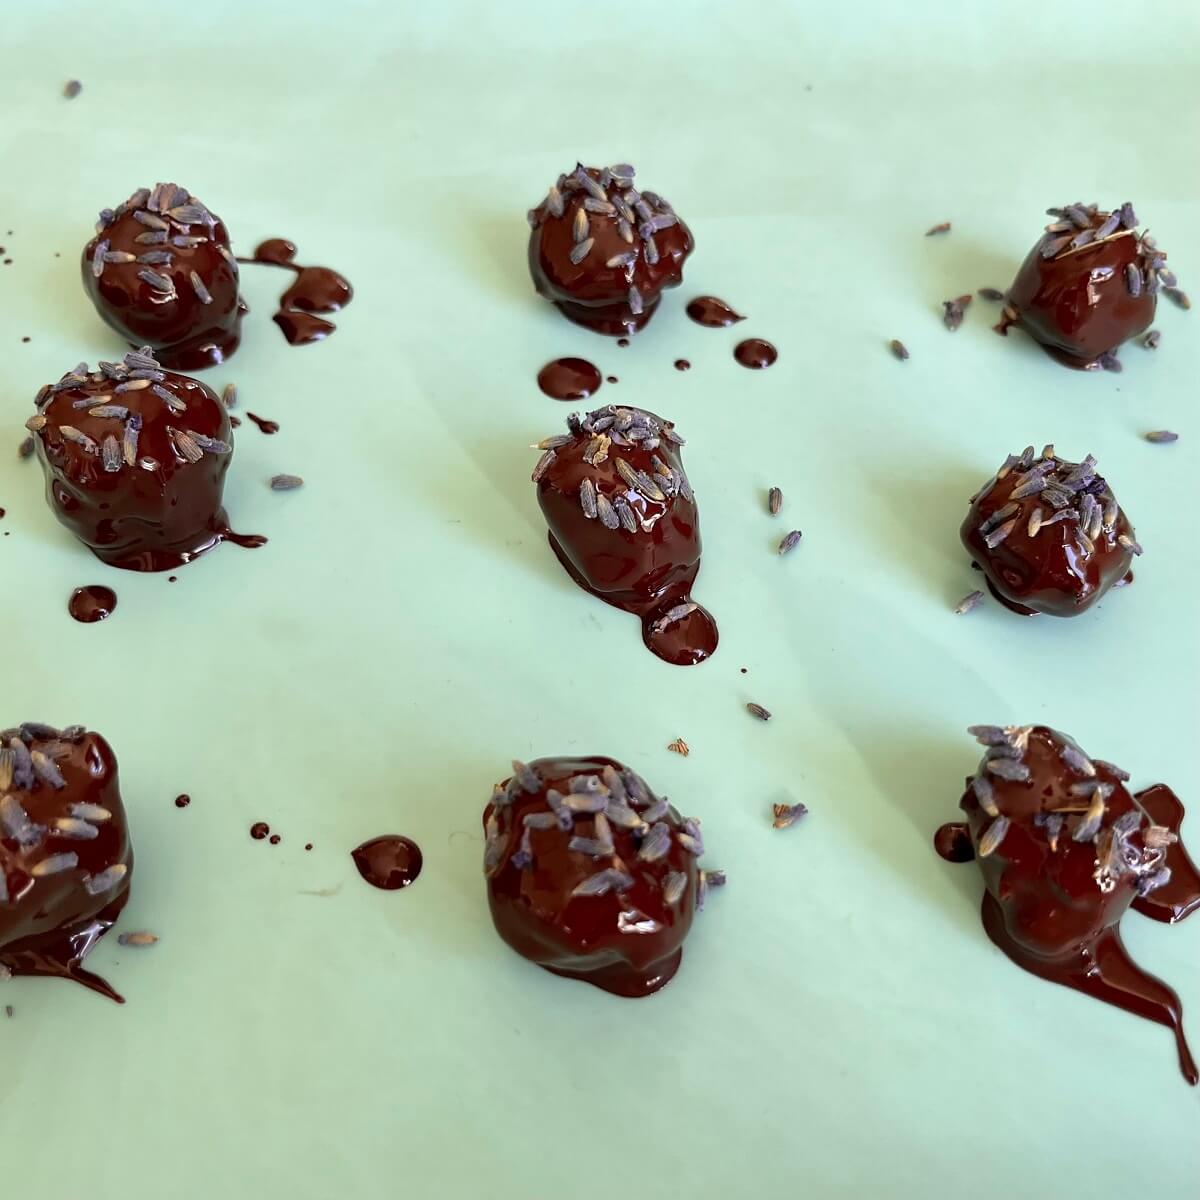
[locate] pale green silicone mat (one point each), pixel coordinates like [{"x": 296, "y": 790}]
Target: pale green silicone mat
[{"x": 841, "y": 1026}]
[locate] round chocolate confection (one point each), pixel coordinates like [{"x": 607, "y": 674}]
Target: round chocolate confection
[
  {"x": 1049, "y": 535},
  {"x": 161, "y": 273},
  {"x": 1088, "y": 285},
  {"x": 624, "y": 523},
  {"x": 1064, "y": 850},
  {"x": 603, "y": 251},
  {"x": 65, "y": 857},
  {"x": 591, "y": 875},
  {"x": 135, "y": 460}
]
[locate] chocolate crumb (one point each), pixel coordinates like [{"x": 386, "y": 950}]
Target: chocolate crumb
[{"x": 25, "y": 449}]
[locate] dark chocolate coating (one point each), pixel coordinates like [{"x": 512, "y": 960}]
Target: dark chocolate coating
[
  {"x": 648, "y": 570},
  {"x": 1059, "y": 570},
  {"x": 1079, "y": 305},
  {"x": 189, "y": 325},
  {"x": 157, "y": 509},
  {"x": 1065, "y": 850},
  {"x": 590, "y": 292},
  {"x": 59, "y": 795},
  {"x": 627, "y": 940}
]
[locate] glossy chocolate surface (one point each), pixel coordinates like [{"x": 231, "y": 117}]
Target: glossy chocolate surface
[
  {"x": 712, "y": 312},
  {"x": 1079, "y": 296},
  {"x": 314, "y": 290},
  {"x": 755, "y": 354},
  {"x": 629, "y": 246},
  {"x": 160, "y": 272},
  {"x": 569, "y": 379},
  {"x": 135, "y": 459},
  {"x": 624, "y": 524},
  {"x": 590, "y": 875},
  {"x": 1048, "y": 535},
  {"x": 65, "y": 857},
  {"x": 92, "y": 603},
  {"x": 1065, "y": 850},
  {"x": 389, "y": 862},
  {"x": 1179, "y": 896}
]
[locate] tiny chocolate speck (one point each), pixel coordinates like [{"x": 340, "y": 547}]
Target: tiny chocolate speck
[{"x": 72, "y": 89}]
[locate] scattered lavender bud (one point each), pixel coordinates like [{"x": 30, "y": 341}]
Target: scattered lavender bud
[
  {"x": 774, "y": 501},
  {"x": 757, "y": 710},
  {"x": 72, "y": 89},
  {"x": 1162, "y": 436},
  {"x": 790, "y": 542},
  {"x": 137, "y": 939},
  {"x": 944, "y": 227},
  {"x": 286, "y": 483},
  {"x": 788, "y": 814},
  {"x": 990, "y": 293},
  {"x": 898, "y": 348},
  {"x": 968, "y": 602}
]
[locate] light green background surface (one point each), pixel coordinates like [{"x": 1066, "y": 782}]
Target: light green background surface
[{"x": 841, "y": 1025}]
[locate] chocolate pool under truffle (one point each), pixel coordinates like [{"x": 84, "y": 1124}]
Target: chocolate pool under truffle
[
  {"x": 591, "y": 875},
  {"x": 1088, "y": 285},
  {"x": 135, "y": 460},
  {"x": 1065, "y": 850},
  {"x": 1049, "y": 535},
  {"x": 161, "y": 273},
  {"x": 624, "y": 524},
  {"x": 65, "y": 857},
  {"x": 603, "y": 251}
]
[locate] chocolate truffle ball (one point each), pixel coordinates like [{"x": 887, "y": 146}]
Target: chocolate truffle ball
[
  {"x": 161, "y": 273},
  {"x": 1049, "y": 535},
  {"x": 591, "y": 875},
  {"x": 65, "y": 857},
  {"x": 135, "y": 460},
  {"x": 1065, "y": 850},
  {"x": 623, "y": 522},
  {"x": 1088, "y": 285},
  {"x": 1061, "y": 843},
  {"x": 603, "y": 251}
]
